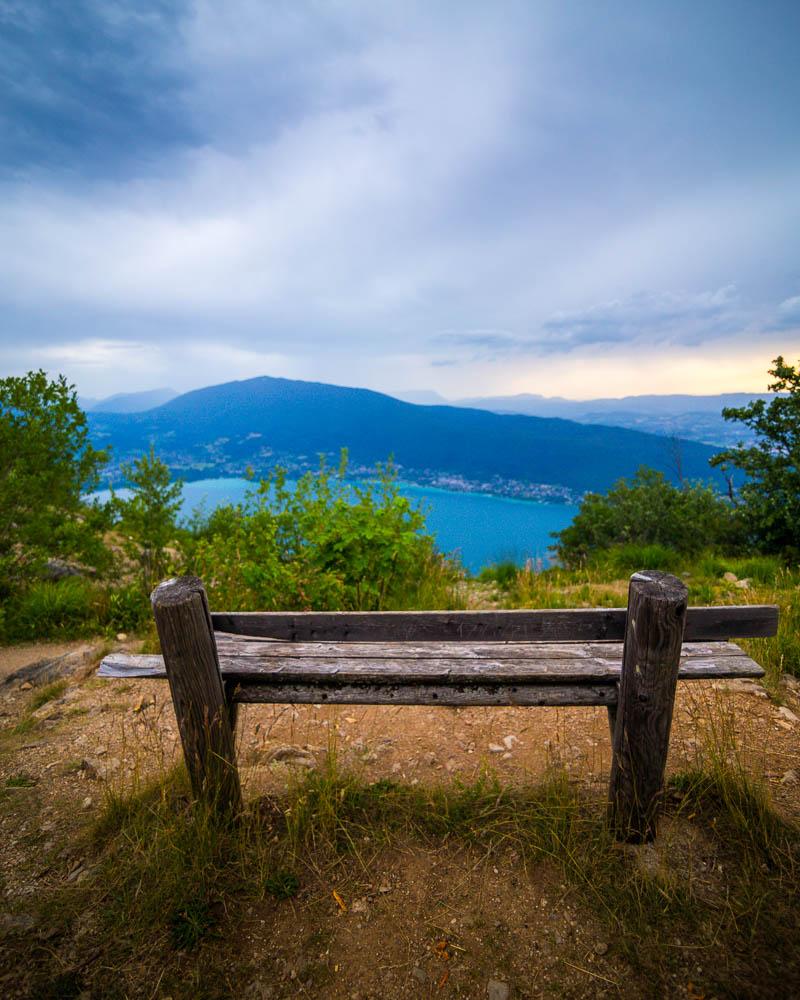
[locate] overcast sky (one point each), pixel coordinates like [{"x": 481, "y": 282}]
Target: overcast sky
[{"x": 566, "y": 198}]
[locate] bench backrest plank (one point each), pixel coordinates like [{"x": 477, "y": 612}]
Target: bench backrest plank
[{"x": 571, "y": 625}]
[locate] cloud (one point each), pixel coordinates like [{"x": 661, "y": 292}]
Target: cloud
[
  {"x": 787, "y": 315},
  {"x": 314, "y": 185},
  {"x": 662, "y": 317},
  {"x": 652, "y": 319}
]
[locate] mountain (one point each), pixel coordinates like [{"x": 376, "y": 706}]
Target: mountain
[
  {"x": 261, "y": 422},
  {"x": 129, "y": 402},
  {"x": 698, "y": 418},
  {"x": 426, "y": 397}
]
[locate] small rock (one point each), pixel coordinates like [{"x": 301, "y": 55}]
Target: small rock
[
  {"x": 730, "y": 577},
  {"x": 496, "y": 748},
  {"x": 359, "y": 906},
  {"x": 792, "y": 683},
  {"x": 789, "y": 778},
  {"x": 600, "y": 948},
  {"x": 292, "y": 755},
  {"x": 509, "y": 741},
  {"x": 788, "y": 714},
  {"x": 122, "y": 636},
  {"x": 59, "y": 569},
  {"x": 496, "y": 990},
  {"x": 25, "y": 686},
  {"x": 384, "y": 887},
  {"x": 744, "y": 584},
  {"x": 507, "y": 755},
  {"x": 87, "y": 802},
  {"x": 88, "y": 769},
  {"x": 419, "y": 974},
  {"x": 47, "y": 711}
]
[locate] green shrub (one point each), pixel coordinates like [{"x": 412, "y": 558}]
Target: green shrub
[
  {"x": 45, "y": 610},
  {"x": 324, "y": 544},
  {"x": 504, "y": 574},
  {"x": 769, "y": 497},
  {"x": 128, "y": 609},
  {"x": 648, "y": 510},
  {"x": 621, "y": 560}
]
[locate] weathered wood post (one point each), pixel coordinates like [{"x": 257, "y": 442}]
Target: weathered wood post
[
  {"x": 650, "y": 662},
  {"x": 180, "y": 608}
]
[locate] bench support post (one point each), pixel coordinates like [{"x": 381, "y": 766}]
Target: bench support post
[
  {"x": 650, "y": 662},
  {"x": 180, "y": 608}
]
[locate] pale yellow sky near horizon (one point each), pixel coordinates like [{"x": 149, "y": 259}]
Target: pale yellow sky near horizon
[{"x": 102, "y": 367}]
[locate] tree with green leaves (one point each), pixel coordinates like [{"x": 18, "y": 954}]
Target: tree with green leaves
[
  {"x": 47, "y": 465},
  {"x": 769, "y": 499},
  {"x": 148, "y": 518},
  {"x": 649, "y": 510}
]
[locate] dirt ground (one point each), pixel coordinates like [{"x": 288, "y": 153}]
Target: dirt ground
[{"x": 435, "y": 922}]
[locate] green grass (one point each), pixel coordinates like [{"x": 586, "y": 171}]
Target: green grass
[
  {"x": 72, "y": 608},
  {"x": 166, "y": 874},
  {"x": 20, "y": 780},
  {"x": 47, "y": 693}
]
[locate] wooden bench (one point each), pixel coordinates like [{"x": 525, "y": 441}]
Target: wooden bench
[{"x": 627, "y": 659}]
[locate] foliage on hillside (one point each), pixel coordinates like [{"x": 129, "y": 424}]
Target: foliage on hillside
[
  {"x": 769, "y": 499},
  {"x": 46, "y": 465},
  {"x": 147, "y": 520},
  {"x": 649, "y": 510}
]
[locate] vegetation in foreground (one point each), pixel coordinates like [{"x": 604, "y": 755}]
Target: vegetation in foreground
[{"x": 169, "y": 884}]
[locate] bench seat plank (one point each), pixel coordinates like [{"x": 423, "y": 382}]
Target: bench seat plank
[{"x": 246, "y": 661}]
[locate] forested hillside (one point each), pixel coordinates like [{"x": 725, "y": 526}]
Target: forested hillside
[{"x": 222, "y": 429}]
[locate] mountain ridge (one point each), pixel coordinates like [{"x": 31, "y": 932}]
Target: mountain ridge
[{"x": 265, "y": 421}]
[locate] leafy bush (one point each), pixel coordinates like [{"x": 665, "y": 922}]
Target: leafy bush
[
  {"x": 127, "y": 610},
  {"x": 503, "y": 574},
  {"x": 66, "y": 608},
  {"x": 770, "y": 496},
  {"x": 324, "y": 544},
  {"x": 46, "y": 465},
  {"x": 148, "y": 518},
  {"x": 649, "y": 511},
  {"x": 622, "y": 560}
]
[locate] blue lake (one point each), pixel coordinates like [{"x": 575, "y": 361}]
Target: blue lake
[{"x": 481, "y": 529}]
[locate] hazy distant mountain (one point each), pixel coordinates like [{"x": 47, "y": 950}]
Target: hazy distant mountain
[
  {"x": 129, "y": 402},
  {"x": 698, "y": 418},
  {"x": 423, "y": 397},
  {"x": 222, "y": 429}
]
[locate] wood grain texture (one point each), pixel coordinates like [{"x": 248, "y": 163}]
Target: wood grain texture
[
  {"x": 246, "y": 661},
  {"x": 426, "y": 694},
  {"x": 570, "y": 625},
  {"x": 184, "y": 628},
  {"x": 650, "y": 667}
]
